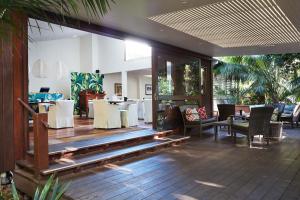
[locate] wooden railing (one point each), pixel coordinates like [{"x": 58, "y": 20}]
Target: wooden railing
[{"x": 40, "y": 138}]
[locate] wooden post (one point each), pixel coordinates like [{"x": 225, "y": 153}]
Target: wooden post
[{"x": 41, "y": 157}]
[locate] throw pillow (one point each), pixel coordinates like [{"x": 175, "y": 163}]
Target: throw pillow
[
  {"x": 191, "y": 114},
  {"x": 202, "y": 112}
]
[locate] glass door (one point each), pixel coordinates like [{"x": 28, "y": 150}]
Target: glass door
[{"x": 177, "y": 80}]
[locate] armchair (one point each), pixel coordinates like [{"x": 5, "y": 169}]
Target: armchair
[
  {"x": 258, "y": 124},
  {"x": 292, "y": 117},
  {"x": 225, "y": 111},
  {"x": 200, "y": 123}
]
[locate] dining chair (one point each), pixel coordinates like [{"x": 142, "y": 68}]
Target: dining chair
[
  {"x": 106, "y": 116},
  {"x": 61, "y": 114}
]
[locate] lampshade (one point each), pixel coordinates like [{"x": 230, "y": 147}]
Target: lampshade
[{"x": 39, "y": 69}]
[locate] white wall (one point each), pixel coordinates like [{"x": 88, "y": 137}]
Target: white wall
[
  {"x": 112, "y": 57},
  {"x": 87, "y": 54},
  {"x": 65, "y": 50},
  {"x": 142, "y": 82},
  {"x": 135, "y": 84},
  {"x": 132, "y": 86},
  {"x": 109, "y": 83}
]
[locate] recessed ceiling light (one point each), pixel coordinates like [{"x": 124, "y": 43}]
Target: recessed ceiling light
[
  {"x": 184, "y": 2},
  {"x": 234, "y": 23}
]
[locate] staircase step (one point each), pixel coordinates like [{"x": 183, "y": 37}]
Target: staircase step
[
  {"x": 104, "y": 142},
  {"x": 77, "y": 162}
]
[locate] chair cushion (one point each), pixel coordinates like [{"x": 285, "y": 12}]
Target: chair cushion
[
  {"x": 288, "y": 109},
  {"x": 240, "y": 125},
  {"x": 202, "y": 112},
  {"x": 286, "y": 115},
  {"x": 209, "y": 120},
  {"x": 191, "y": 114}
]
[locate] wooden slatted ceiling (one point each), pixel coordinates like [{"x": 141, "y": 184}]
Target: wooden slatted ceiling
[{"x": 235, "y": 23}]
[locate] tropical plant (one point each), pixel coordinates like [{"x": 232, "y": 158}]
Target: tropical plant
[
  {"x": 262, "y": 79},
  {"x": 235, "y": 73},
  {"x": 40, "y": 8},
  {"x": 52, "y": 190}
]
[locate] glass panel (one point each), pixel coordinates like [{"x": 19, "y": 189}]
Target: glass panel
[
  {"x": 178, "y": 79},
  {"x": 165, "y": 82}
]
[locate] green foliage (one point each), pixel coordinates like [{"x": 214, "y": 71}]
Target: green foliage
[
  {"x": 52, "y": 190},
  {"x": 83, "y": 81},
  {"x": 39, "y": 8},
  {"x": 259, "y": 79}
]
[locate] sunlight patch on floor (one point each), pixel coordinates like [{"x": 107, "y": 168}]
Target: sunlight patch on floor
[
  {"x": 118, "y": 168},
  {"x": 183, "y": 197},
  {"x": 210, "y": 184}
]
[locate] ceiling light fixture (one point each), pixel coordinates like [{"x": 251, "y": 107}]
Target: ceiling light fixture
[{"x": 234, "y": 23}]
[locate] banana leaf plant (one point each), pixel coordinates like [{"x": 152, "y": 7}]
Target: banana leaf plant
[{"x": 40, "y": 8}]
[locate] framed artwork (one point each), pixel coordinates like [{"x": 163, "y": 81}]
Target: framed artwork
[
  {"x": 148, "y": 89},
  {"x": 118, "y": 89}
]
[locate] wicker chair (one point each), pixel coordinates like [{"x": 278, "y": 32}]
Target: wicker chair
[
  {"x": 199, "y": 123},
  {"x": 225, "y": 111},
  {"x": 258, "y": 124},
  {"x": 292, "y": 117}
]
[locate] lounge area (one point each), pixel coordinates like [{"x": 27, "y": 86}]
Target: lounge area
[{"x": 149, "y": 99}]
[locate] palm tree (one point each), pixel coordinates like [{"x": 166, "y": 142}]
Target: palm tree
[
  {"x": 93, "y": 8},
  {"x": 235, "y": 72},
  {"x": 267, "y": 79}
]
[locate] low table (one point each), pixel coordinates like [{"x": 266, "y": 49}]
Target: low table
[{"x": 221, "y": 123}]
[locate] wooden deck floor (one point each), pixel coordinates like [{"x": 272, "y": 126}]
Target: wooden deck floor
[
  {"x": 84, "y": 129},
  {"x": 201, "y": 169}
]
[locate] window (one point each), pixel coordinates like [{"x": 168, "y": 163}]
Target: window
[{"x": 136, "y": 50}]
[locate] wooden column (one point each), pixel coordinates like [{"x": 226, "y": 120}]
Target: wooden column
[
  {"x": 20, "y": 67},
  {"x": 6, "y": 105},
  {"x": 13, "y": 85}
]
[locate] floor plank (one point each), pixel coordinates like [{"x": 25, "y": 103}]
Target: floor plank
[{"x": 200, "y": 169}]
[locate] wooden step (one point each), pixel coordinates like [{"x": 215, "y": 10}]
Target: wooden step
[
  {"x": 104, "y": 143},
  {"x": 92, "y": 160}
]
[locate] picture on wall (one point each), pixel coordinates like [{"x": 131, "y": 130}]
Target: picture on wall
[
  {"x": 148, "y": 89},
  {"x": 118, "y": 89}
]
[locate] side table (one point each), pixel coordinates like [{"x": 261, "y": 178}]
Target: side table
[{"x": 221, "y": 123}]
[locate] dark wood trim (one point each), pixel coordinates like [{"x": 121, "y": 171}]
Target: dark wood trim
[
  {"x": 154, "y": 89},
  {"x": 205, "y": 99}
]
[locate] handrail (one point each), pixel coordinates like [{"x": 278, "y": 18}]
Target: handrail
[
  {"x": 40, "y": 138},
  {"x": 27, "y": 106},
  {"x": 32, "y": 111}
]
